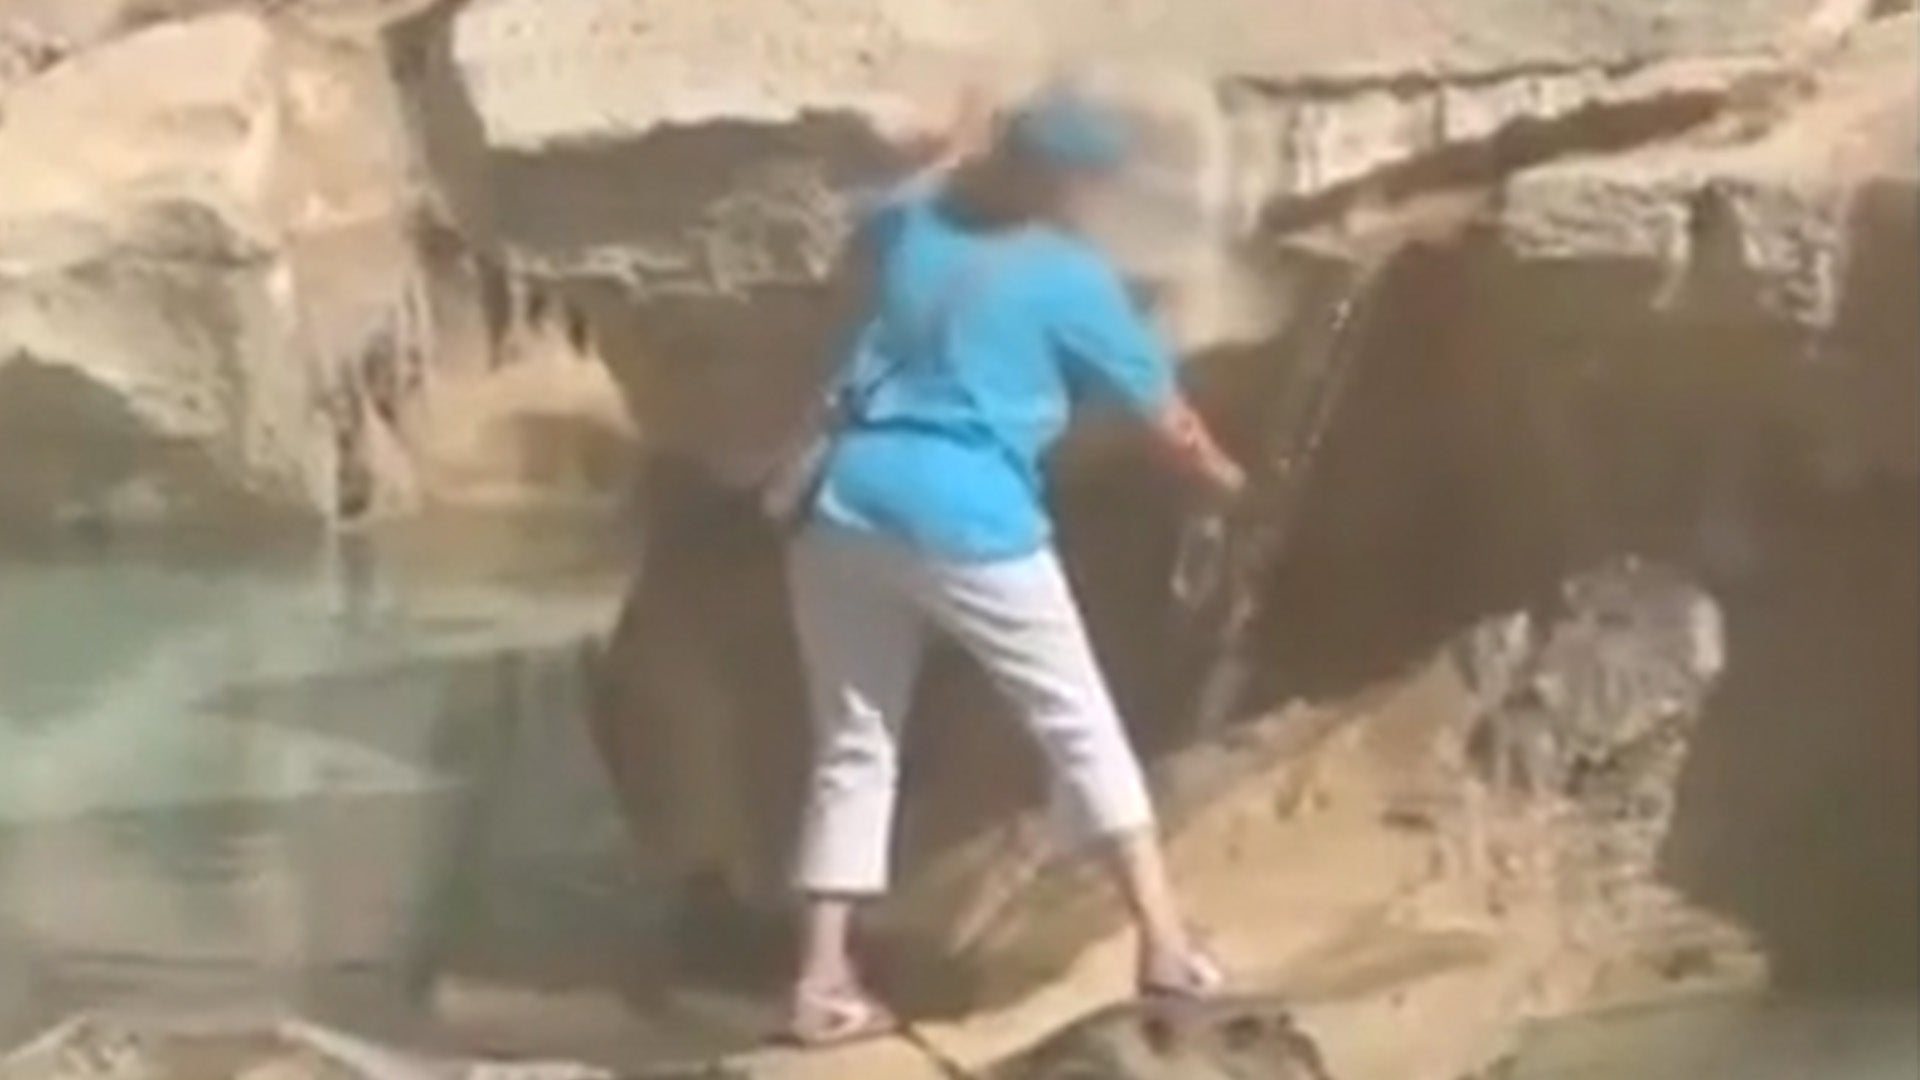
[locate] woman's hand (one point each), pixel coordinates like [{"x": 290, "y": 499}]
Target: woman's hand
[
  {"x": 1226, "y": 477},
  {"x": 1184, "y": 436},
  {"x": 942, "y": 136}
]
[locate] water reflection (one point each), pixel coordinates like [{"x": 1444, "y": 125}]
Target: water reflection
[
  {"x": 317, "y": 777},
  {"x": 356, "y": 781}
]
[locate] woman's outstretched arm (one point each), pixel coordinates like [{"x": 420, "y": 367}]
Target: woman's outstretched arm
[{"x": 1183, "y": 436}]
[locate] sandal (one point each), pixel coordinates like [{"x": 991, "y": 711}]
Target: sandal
[{"x": 823, "y": 1017}]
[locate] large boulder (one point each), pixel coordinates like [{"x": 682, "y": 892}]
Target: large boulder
[
  {"x": 1715, "y": 345},
  {"x": 1733, "y": 295},
  {"x": 220, "y": 289},
  {"x": 625, "y": 69},
  {"x": 1467, "y": 469},
  {"x": 276, "y": 258},
  {"x": 1344, "y": 862},
  {"x": 675, "y": 196},
  {"x": 167, "y": 199},
  {"x": 79, "y": 24},
  {"x": 1400, "y": 882}
]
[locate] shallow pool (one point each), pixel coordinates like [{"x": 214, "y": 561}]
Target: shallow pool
[
  {"x": 306, "y": 775},
  {"x": 1735, "y": 1039},
  {"x": 353, "y": 779}
]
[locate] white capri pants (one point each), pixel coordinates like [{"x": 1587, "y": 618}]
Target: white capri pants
[{"x": 863, "y": 607}]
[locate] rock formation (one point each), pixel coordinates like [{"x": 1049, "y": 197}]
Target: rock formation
[
  {"x": 1742, "y": 273},
  {"x": 168, "y": 204},
  {"x": 222, "y": 289},
  {"x": 456, "y": 146},
  {"x": 1640, "y": 279},
  {"x": 1470, "y": 846},
  {"x": 1368, "y": 861},
  {"x": 565, "y": 115},
  {"x": 1592, "y": 365}
]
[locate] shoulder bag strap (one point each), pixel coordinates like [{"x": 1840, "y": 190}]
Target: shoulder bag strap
[{"x": 962, "y": 283}]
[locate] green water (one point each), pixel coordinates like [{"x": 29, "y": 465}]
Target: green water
[
  {"x": 354, "y": 779},
  {"x": 298, "y": 774}
]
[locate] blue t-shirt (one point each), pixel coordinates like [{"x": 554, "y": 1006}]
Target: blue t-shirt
[{"x": 965, "y": 373}]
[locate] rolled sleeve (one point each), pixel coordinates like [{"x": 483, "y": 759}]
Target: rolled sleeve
[{"x": 1112, "y": 353}]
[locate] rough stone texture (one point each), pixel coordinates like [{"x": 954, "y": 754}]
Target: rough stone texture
[
  {"x": 521, "y": 410},
  {"x": 215, "y": 291},
  {"x": 1344, "y": 861},
  {"x": 545, "y": 121},
  {"x": 78, "y": 24},
  {"x": 1556, "y": 322},
  {"x": 675, "y": 713},
  {"x": 83, "y": 135},
  {"x": 1399, "y": 882},
  {"x": 100, "y": 1049},
  {"x": 26, "y": 50},
  {"x": 229, "y": 271},
  {"x": 1509, "y": 354},
  {"x": 542, "y": 125},
  {"x": 598, "y": 69},
  {"x": 1216, "y": 1041},
  {"x": 1393, "y": 898},
  {"x": 1755, "y": 264},
  {"x": 164, "y": 210}
]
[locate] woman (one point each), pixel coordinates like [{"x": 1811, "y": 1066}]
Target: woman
[{"x": 987, "y": 318}]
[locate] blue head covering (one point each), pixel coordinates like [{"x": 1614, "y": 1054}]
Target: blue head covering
[{"x": 1061, "y": 128}]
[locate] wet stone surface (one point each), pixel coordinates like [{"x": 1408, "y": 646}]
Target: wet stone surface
[{"x": 1233, "y": 1039}]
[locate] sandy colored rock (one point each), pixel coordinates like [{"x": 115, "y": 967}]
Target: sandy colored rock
[
  {"x": 1586, "y": 284},
  {"x": 139, "y": 276},
  {"x": 626, "y": 69},
  {"x": 281, "y": 261},
  {"x": 888, "y": 1059},
  {"x": 688, "y": 210},
  {"x": 218, "y": 297},
  {"x": 523, "y": 416},
  {"x": 82, "y": 24},
  {"x": 1217, "y": 1040},
  {"x": 106, "y": 1048},
  {"x": 544, "y": 124},
  {"x": 1738, "y": 280},
  {"x": 1757, "y": 220},
  {"x": 1405, "y": 894}
]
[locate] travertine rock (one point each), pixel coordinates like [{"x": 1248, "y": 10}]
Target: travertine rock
[
  {"x": 216, "y": 292},
  {"x": 592, "y": 70},
  {"x": 85, "y": 23},
  {"x": 163, "y": 211},
  {"x": 1218, "y": 1040},
  {"x": 1597, "y": 283},
  {"x": 1737, "y": 285},
  {"x": 1345, "y": 862},
  {"x": 238, "y": 263},
  {"x": 1396, "y": 901},
  {"x": 1400, "y": 883},
  {"x": 570, "y": 111},
  {"x": 685, "y": 209}
]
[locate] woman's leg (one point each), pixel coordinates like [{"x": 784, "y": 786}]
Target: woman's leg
[
  {"x": 1019, "y": 619},
  {"x": 861, "y": 640}
]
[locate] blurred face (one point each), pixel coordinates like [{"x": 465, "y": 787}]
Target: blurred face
[
  {"x": 1064, "y": 195},
  {"x": 1083, "y": 195}
]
